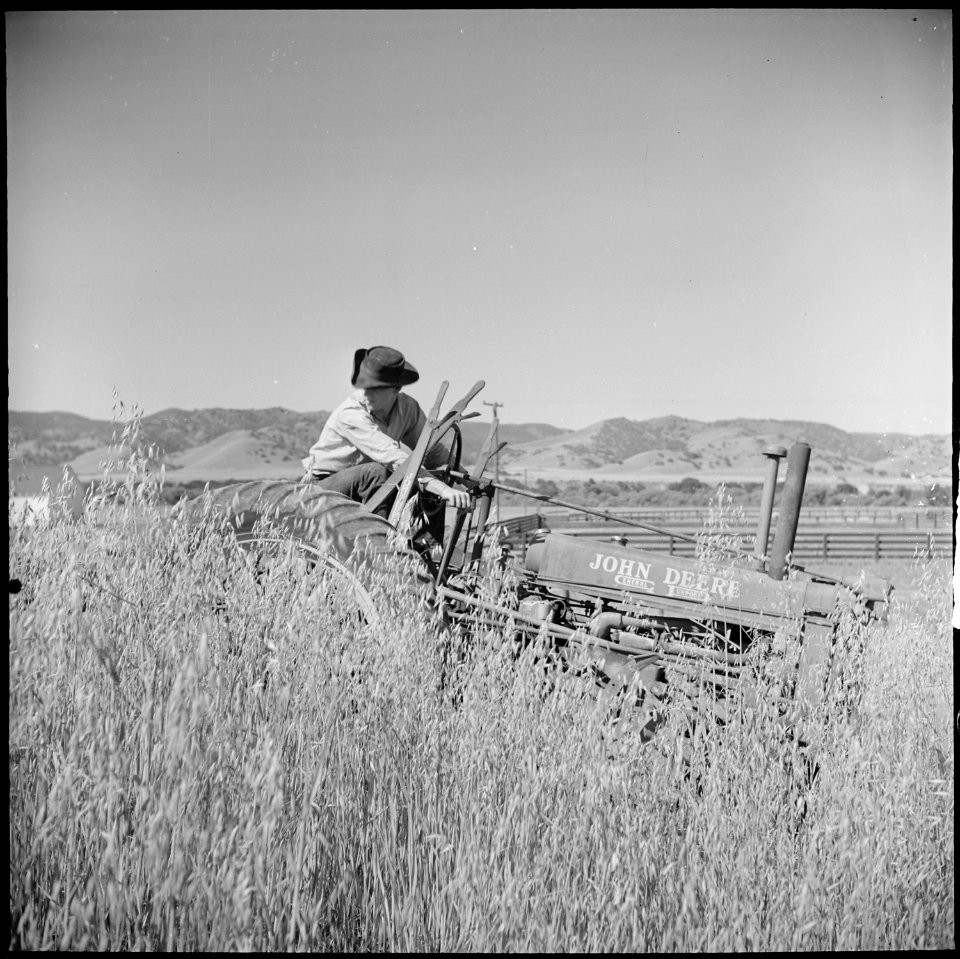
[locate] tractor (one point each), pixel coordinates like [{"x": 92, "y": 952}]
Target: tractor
[{"x": 645, "y": 626}]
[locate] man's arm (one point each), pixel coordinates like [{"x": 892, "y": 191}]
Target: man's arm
[
  {"x": 453, "y": 497},
  {"x": 360, "y": 430}
]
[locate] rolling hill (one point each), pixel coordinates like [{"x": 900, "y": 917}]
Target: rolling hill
[
  {"x": 220, "y": 444},
  {"x": 668, "y": 447}
]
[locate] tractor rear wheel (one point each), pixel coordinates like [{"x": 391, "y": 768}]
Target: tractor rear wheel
[{"x": 354, "y": 550}]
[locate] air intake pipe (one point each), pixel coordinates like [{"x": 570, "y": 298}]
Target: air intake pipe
[
  {"x": 796, "y": 476},
  {"x": 773, "y": 455}
]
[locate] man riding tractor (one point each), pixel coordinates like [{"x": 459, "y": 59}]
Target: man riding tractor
[{"x": 372, "y": 432}]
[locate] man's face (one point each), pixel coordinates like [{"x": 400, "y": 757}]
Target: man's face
[{"x": 382, "y": 399}]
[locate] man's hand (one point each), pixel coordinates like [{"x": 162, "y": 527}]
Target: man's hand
[{"x": 459, "y": 498}]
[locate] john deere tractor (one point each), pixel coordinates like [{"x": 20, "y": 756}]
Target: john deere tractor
[{"x": 648, "y": 625}]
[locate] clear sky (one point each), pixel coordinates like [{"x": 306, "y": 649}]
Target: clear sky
[{"x": 638, "y": 213}]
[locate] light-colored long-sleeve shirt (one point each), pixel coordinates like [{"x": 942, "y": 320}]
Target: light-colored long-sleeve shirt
[{"x": 353, "y": 435}]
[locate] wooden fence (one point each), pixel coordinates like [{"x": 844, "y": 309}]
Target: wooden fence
[
  {"x": 903, "y": 517},
  {"x": 810, "y": 544}
]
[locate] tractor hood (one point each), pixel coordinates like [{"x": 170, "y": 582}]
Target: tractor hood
[{"x": 672, "y": 582}]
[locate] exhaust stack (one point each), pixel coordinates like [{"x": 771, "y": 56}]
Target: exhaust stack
[
  {"x": 774, "y": 455},
  {"x": 796, "y": 476}
]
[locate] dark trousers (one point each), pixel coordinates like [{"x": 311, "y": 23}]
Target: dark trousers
[{"x": 360, "y": 483}]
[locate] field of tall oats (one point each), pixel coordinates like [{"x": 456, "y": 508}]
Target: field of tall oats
[{"x": 207, "y": 755}]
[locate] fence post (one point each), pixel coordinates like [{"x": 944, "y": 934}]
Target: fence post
[
  {"x": 876, "y": 547},
  {"x": 826, "y": 545}
]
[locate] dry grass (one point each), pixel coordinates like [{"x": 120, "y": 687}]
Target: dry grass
[{"x": 204, "y": 759}]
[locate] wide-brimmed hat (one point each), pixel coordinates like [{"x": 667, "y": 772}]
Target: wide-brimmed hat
[{"x": 381, "y": 366}]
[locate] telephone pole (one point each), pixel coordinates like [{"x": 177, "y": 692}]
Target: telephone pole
[{"x": 496, "y": 458}]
